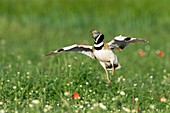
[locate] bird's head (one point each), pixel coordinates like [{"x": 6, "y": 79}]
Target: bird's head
[
  {"x": 97, "y": 36},
  {"x": 95, "y": 33}
]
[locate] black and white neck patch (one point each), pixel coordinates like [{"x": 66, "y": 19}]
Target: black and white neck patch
[{"x": 98, "y": 42}]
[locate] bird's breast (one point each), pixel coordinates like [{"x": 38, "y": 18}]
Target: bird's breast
[{"x": 104, "y": 55}]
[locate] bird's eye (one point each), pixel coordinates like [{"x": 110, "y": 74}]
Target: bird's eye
[{"x": 127, "y": 39}]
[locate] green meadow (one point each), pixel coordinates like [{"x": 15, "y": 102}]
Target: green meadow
[{"x": 30, "y": 83}]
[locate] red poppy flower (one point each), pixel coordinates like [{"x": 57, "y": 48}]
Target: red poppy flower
[
  {"x": 159, "y": 53},
  {"x": 141, "y": 52},
  {"x": 75, "y": 95}
]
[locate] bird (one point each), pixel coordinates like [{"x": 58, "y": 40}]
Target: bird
[{"x": 103, "y": 52}]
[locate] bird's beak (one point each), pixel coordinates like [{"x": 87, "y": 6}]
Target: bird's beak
[{"x": 134, "y": 40}]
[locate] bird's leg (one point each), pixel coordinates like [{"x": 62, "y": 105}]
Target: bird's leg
[
  {"x": 107, "y": 75},
  {"x": 113, "y": 69}
]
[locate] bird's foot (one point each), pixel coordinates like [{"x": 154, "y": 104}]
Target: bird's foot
[
  {"x": 112, "y": 74},
  {"x": 108, "y": 81}
]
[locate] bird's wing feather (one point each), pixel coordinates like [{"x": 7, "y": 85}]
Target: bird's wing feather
[
  {"x": 120, "y": 42},
  {"x": 80, "y": 48}
]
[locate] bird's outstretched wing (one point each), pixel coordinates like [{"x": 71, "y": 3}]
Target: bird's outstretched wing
[
  {"x": 80, "y": 48},
  {"x": 120, "y": 42}
]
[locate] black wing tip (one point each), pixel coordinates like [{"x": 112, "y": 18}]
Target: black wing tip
[
  {"x": 144, "y": 41},
  {"x": 139, "y": 40},
  {"x": 54, "y": 52},
  {"x": 49, "y": 54}
]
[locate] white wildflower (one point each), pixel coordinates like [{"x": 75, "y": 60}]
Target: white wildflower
[
  {"x": 134, "y": 111},
  {"x": 87, "y": 83},
  {"x": 9, "y": 66},
  {"x": 135, "y": 85},
  {"x": 119, "y": 78},
  {"x": 76, "y": 111},
  {"x": 92, "y": 108},
  {"x": 126, "y": 109},
  {"x": 122, "y": 93},
  {"x": 93, "y": 100},
  {"x": 66, "y": 93},
  {"x": 163, "y": 99},
  {"x": 88, "y": 105},
  {"x": 69, "y": 65},
  {"x": 30, "y": 105},
  {"x": 95, "y": 104},
  {"x": 28, "y": 73},
  {"x": 1, "y": 103},
  {"x": 75, "y": 58},
  {"x": 14, "y": 87},
  {"x": 123, "y": 79},
  {"x": 151, "y": 77},
  {"x": 86, "y": 102},
  {"x": 152, "y": 106},
  {"x": 164, "y": 71},
  {"x": 47, "y": 108},
  {"x": 90, "y": 90},
  {"x": 81, "y": 106},
  {"x": 35, "y": 101},
  {"x": 136, "y": 99},
  {"x": 102, "y": 106},
  {"x": 18, "y": 73},
  {"x": 113, "y": 99},
  {"x": 2, "y": 111}
]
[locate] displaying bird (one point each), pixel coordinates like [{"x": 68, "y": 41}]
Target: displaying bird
[{"x": 101, "y": 51}]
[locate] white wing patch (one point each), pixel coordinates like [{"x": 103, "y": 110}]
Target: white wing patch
[
  {"x": 120, "y": 38},
  {"x": 80, "y": 48},
  {"x": 120, "y": 42}
]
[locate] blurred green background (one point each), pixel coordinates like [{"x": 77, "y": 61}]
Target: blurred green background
[
  {"x": 41, "y": 25},
  {"x": 29, "y": 29}
]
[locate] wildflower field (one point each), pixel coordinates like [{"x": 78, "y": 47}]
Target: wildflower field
[{"x": 72, "y": 82}]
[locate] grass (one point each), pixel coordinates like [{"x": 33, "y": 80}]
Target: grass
[{"x": 31, "y": 29}]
